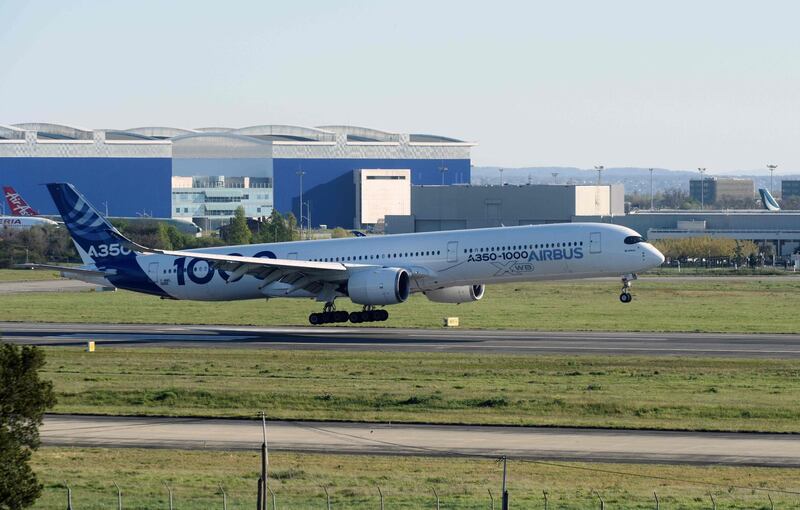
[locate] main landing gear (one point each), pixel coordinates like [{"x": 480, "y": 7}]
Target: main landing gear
[
  {"x": 626, "y": 296},
  {"x": 330, "y": 315}
]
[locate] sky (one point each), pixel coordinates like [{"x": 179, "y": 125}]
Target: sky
[{"x": 679, "y": 84}]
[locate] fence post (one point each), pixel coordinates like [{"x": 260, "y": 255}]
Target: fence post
[
  {"x": 169, "y": 491},
  {"x": 274, "y": 505},
  {"x": 380, "y": 493},
  {"x": 602, "y": 503},
  {"x": 656, "y": 496},
  {"x": 224, "y": 498},
  {"x": 545, "y": 499},
  {"x": 119, "y": 496},
  {"x": 771, "y": 504},
  {"x": 713, "y": 502},
  {"x": 504, "y": 495},
  {"x": 491, "y": 498},
  {"x": 69, "y": 496},
  {"x": 260, "y": 499},
  {"x": 436, "y": 496},
  {"x": 327, "y": 496}
]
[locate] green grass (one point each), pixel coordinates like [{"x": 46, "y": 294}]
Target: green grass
[
  {"x": 728, "y": 305},
  {"x": 27, "y": 275},
  {"x": 406, "y": 481},
  {"x": 629, "y": 392}
]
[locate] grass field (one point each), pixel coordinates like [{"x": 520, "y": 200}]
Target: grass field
[
  {"x": 630, "y": 392},
  {"x": 406, "y": 482},
  {"x": 26, "y": 275},
  {"x": 729, "y": 305}
]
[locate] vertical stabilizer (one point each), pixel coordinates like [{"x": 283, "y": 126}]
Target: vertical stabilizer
[
  {"x": 769, "y": 203},
  {"x": 19, "y": 207}
]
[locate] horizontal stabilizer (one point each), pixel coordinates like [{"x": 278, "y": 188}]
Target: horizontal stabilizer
[{"x": 67, "y": 269}]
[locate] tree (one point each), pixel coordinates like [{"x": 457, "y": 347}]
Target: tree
[
  {"x": 23, "y": 400},
  {"x": 238, "y": 232},
  {"x": 339, "y": 232}
]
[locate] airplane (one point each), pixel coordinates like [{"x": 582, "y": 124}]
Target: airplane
[
  {"x": 22, "y": 216},
  {"x": 767, "y": 200},
  {"x": 19, "y": 207},
  {"x": 447, "y": 267}
]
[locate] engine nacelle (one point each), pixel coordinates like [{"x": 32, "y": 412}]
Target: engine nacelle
[
  {"x": 463, "y": 294},
  {"x": 380, "y": 286}
]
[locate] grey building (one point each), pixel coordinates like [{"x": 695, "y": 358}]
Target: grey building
[
  {"x": 790, "y": 188},
  {"x": 463, "y": 207},
  {"x": 713, "y": 189},
  {"x": 780, "y": 229}
]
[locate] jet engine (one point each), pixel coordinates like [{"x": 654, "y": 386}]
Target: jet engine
[
  {"x": 463, "y": 294},
  {"x": 380, "y": 286}
]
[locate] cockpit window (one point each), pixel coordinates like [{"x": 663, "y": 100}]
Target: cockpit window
[{"x": 633, "y": 239}]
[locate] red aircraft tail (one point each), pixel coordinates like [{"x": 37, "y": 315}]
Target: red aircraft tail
[{"x": 19, "y": 207}]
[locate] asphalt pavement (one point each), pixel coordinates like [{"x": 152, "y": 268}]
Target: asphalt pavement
[
  {"x": 431, "y": 440},
  {"x": 406, "y": 340}
]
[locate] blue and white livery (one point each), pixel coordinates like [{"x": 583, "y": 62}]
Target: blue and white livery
[{"x": 451, "y": 266}]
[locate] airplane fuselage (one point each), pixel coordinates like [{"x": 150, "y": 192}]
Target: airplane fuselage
[{"x": 434, "y": 260}]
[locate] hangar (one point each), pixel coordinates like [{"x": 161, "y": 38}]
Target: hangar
[{"x": 205, "y": 173}]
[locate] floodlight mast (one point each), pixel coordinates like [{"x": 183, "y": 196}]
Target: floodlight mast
[
  {"x": 702, "y": 187},
  {"x": 771, "y": 169}
]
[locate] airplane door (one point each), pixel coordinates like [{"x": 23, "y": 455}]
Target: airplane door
[
  {"x": 152, "y": 271},
  {"x": 594, "y": 242},
  {"x": 452, "y": 251}
]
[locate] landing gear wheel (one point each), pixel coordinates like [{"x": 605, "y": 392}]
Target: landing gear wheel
[
  {"x": 315, "y": 319},
  {"x": 380, "y": 315},
  {"x": 341, "y": 316},
  {"x": 356, "y": 317},
  {"x": 625, "y": 297}
]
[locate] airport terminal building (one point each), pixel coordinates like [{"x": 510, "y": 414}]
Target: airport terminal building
[{"x": 204, "y": 174}]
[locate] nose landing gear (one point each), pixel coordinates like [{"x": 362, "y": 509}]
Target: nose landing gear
[
  {"x": 331, "y": 315},
  {"x": 626, "y": 296}
]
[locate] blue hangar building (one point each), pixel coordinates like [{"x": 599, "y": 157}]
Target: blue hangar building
[{"x": 204, "y": 174}]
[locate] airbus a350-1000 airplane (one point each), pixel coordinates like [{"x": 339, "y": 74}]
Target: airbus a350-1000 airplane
[{"x": 447, "y": 267}]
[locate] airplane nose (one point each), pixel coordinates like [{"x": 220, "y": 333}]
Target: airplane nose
[{"x": 656, "y": 256}]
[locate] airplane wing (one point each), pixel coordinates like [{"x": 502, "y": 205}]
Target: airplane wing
[{"x": 299, "y": 274}]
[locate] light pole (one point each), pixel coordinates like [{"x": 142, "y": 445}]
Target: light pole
[
  {"x": 651, "y": 189},
  {"x": 702, "y": 187},
  {"x": 599, "y": 169},
  {"x": 555, "y": 177},
  {"x": 301, "y": 173},
  {"x": 771, "y": 169},
  {"x": 443, "y": 170},
  {"x": 501, "y": 175}
]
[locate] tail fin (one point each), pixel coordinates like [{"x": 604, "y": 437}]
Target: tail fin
[
  {"x": 95, "y": 238},
  {"x": 19, "y": 207},
  {"x": 767, "y": 201}
]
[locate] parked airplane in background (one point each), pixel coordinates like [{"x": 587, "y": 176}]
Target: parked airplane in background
[
  {"x": 19, "y": 207},
  {"x": 769, "y": 203},
  {"x": 22, "y": 216},
  {"x": 447, "y": 267}
]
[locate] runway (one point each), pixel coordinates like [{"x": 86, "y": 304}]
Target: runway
[
  {"x": 407, "y": 340},
  {"x": 435, "y": 440}
]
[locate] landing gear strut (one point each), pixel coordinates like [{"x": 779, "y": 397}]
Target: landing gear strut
[
  {"x": 369, "y": 314},
  {"x": 328, "y": 315},
  {"x": 331, "y": 315},
  {"x": 626, "y": 296}
]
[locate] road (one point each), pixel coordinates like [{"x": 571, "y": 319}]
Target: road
[
  {"x": 437, "y": 440},
  {"x": 45, "y": 286},
  {"x": 407, "y": 340}
]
